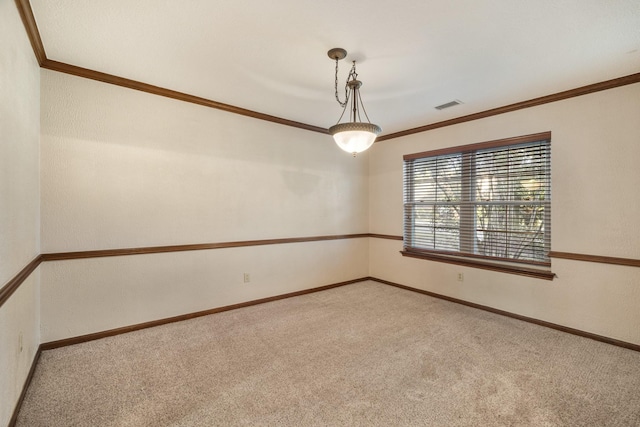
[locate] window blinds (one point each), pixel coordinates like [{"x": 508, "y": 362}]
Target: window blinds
[{"x": 490, "y": 200}]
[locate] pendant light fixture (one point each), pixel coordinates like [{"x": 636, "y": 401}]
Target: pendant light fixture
[{"x": 353, "y": 136}]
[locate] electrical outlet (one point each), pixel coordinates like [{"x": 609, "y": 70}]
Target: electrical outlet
[
  {"x": 20, "y": 342},
  {"x": 247, "y": 278},
  {"x": 460, "y": 277}
]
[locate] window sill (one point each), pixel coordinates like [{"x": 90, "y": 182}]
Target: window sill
[{"x": 474, "y": 263}]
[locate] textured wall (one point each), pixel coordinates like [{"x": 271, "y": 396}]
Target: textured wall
[
  {"x": 122, "y": 168},
  {"x": 595, "y": 207},
  {"x": 85, "y": 296},
  {"x": 19, "y": 203}
]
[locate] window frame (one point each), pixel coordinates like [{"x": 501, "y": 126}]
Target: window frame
[{"x": 467, "y": 234}]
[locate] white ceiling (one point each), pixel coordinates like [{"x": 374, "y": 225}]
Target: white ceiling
[{"x": 270, "y": 56}]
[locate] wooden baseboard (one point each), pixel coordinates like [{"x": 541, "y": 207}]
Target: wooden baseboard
[
  {"x": 117, "y": 331},
  {"x": 123, "y": 330},
  {"x": 555, "y": 326},
  {"x": 25, "y": 387}
]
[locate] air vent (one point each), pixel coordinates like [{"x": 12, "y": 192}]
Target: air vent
[{"x": 449, "y": 104}]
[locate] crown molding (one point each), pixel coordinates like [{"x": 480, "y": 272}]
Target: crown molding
[
  {"x": 31, "y": 27},
  {"x": 579, "y": 91},
  {"x": 74, "y": 70},
  {"x": 26, "y": 13}
]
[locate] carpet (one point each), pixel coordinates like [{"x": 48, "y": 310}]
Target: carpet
[{"x": 365, "y": 354}]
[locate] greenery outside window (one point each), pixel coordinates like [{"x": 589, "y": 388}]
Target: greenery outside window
[{"x": 489, "y": 202}]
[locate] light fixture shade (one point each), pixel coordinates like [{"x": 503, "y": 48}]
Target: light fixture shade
[{"x": 355, "y": 137}]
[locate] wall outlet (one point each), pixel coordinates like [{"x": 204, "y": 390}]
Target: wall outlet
[
  {"x": 247, "y": 278},
  {"x": 460, "y": 277},
  {"x": 20, "y": 339}
]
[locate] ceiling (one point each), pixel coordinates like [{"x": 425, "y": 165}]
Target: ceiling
[{"x": 412, "y": 55}]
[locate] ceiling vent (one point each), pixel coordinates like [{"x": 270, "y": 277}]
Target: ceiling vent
[{"x": 449, "y": 104}]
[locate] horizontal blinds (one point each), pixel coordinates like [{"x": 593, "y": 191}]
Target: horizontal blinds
[{"x": 491, "y": 202}]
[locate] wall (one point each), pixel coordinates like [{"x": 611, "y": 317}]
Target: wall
[
  {"x": 595, "y": 208},
  {"x": 122, "y": 168},
  {"x": 19, "y": 204}
]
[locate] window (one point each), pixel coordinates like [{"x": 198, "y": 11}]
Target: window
[{"x": 488, "y": 201}]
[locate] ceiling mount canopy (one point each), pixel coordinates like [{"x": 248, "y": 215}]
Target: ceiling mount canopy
[{"x": 353, "y": 136}]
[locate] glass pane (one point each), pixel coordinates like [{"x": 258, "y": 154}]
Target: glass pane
[
  {"x": 424, "y": 180},
  {"x": 447, "y": 227},
  {"x": 423, "y": 216},
  {"x": 492, "y": 199},
  {"x": 447, "y": 239},
  {"x": 526, "y": 225},
  {"x": 447, "y": 216},
  {"x": 423, "y": 226},
  {"x": 492, "y": 180},
  {"x": 449, "y": 179},
  {"x": 491, "y": 227},
  {"x": 449, "y": 191},
  {"x": 493, "y": 244},
  {"x": 510, "y": 231},
  {"x": 424, "y": 237}
]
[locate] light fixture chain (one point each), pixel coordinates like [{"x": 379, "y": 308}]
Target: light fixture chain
[
  {"x": 346, "y": 93},
  {"x": 352, "y": 76},
  {"x": 354, "y": 136}
]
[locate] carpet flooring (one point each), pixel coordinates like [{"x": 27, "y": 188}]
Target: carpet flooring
[{"x": 365, "y": 354}]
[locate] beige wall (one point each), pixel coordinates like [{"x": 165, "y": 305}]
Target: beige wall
[
  {"x": 122, "y": 168},
  {"x": 19, "y": 204},
  {"x": 595, "y": 209},
  {"x": 94, "y": 166}
]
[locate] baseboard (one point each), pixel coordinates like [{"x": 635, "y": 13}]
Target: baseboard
[
  {"x": 111, "y": 332},
  {"x": 25, "y": 387},
  {"x": 90, "y": 337},
  {"x": 555, "y": 326},
  {"x": 117, "y": 331}
]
